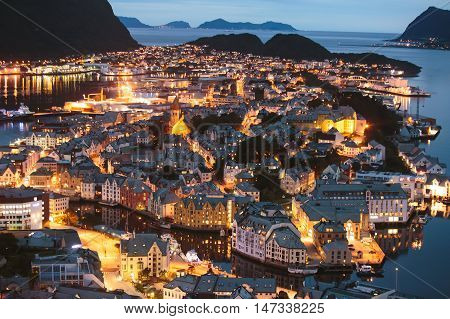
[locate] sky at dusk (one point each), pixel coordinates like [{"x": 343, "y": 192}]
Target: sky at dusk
[{"x": 321, "y": 15}]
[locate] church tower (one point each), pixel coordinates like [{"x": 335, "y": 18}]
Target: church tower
[
  {"x": 175, "y": 113},
  {"x": 177, "y": 126}
]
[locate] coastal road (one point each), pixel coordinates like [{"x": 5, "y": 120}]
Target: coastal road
[{"x": 109, "y": 254}]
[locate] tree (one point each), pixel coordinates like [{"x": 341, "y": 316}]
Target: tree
[
  {"x": 8, "y": 244},
  {"x": 283, "y": 295}
]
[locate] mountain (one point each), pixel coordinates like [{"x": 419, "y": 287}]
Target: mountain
[
  {"x": 245, "y": 43},
  {"x": 225, "y": 25},
  {"x": 289, "y": 46},
  {"x": 432, "y": 23},
  {"x": 132, "y": 22},
  {"x": 297, "y": 47},
  {"x": 294, "y": 46},
  {"x": 53, "y": 28},
  {"x": 178, "y": 25}
]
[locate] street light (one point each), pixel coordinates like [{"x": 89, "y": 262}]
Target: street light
[{"x": 396, "y": 278}]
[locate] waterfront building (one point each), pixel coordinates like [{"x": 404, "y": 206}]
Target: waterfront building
[
  {"x": 386, "y": 203},
  {"x": 111, "y": 189},
  {"x": 162, "y": 203},
  {"x": 412, "y": 184},
  {"x": 205, "y": 212},
  {"x": 91, "y": 186},
  {"x": 21, "y": 208},
  {"x": 215, "y": 286},
  {"x": 309, "y": 212},
  {"x": 143, "y": 251},
  {"x": 262, "y": 231},
  {"x": 79, "y": 267},
  {"x": 336, "y": 253},
  {"x": 134, "y": 194},
  {"x": 437, "y": 186},
  {"x": 327, "y": 231},
  {"x": 58, "y": 204}
]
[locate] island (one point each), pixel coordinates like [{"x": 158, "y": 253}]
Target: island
[
  {"x": 135, "y": 23},
  {"x": 55, "y": 28},
  {"x": 294, "y": 46},
  {"x": 178, "y": 25},
  {"x": 222, "y": 24}
]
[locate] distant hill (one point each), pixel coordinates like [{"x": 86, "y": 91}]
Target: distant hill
[
  {"x": 225, "y": 25},
  {"x": 297, "y": 47},
  {"x": 290, "y": 46},
  {"x": 136, "y": 23},
  {"x": 432, "y": 23},
  {"x": 71, "y": 27},
  {"x": 294, "y": 46},
  {"x": 133, "y": 22},
  {"x": 245, "y": 43},
  {"x": 178, "y": 25}
]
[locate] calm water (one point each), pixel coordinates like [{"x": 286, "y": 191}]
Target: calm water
[{"x": 420, "y": 253}]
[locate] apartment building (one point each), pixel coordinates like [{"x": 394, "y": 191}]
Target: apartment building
[
  {"x": 262, "y": 231},
  {"x": 143, "y": 251}
]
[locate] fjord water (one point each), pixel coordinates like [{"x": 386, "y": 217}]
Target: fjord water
[{"x": 421, "y": 254}]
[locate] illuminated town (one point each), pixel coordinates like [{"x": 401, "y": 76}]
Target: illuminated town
[{"x": 270, "y": 163}]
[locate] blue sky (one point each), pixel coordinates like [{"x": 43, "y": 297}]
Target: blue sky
[{"x": 324, "y": 15}]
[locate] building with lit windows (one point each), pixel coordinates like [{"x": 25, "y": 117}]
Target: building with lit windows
[
  {"x": 205, "y": 212},
  {"x": 21, "y": 208},
  {"x": 58, "y": 204},
  {"x": 262, "y": 231},
  {"x": 143, "y": 251},
  {"x": 385, "y": 203},
  {"x": 344, "y": 119},
  {"x": 80, "y": 267}
]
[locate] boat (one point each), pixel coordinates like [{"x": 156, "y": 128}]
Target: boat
[
  {"x": 110, "y": 204},
  {"x": 164, "y": 225},
  {"x": 368, "y": 271},
  {"x": 302, "y": 271},
  {"x": 22, "y": 113}
]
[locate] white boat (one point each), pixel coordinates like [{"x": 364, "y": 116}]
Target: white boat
[
  {"x": 165, "y": 226},
  {"x": 302, "y": 271},
  {"x": 365, "y": 269},
  {"x": 23, "y": 110}
]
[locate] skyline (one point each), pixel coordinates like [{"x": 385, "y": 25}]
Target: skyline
[{"x": 305, "y": 15}]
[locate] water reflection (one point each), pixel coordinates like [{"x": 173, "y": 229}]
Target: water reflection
[
  {"x": 42, "y": 92},
  {"x": 394, "y": 241},
  {"x": 406, "y": 245},
  {"x": 244, "y": 267},
  {"x": 209, "y": 246}
]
